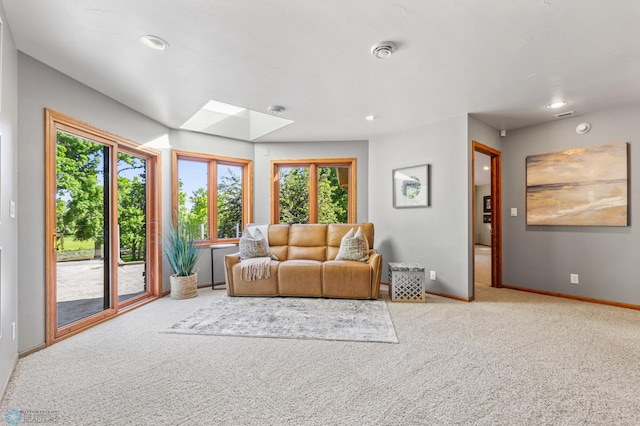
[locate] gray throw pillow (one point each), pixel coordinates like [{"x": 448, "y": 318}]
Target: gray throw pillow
[
  {"x": 354, "y": 246},
  {"x": 254, "y": 246}
]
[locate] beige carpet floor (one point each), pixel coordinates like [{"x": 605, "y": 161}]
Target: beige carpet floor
[
  {"x": 482, "y": 267},
  {"x": 508, "y": 358}
]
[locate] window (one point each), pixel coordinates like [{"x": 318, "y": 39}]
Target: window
[
  {"x": 211, "y": 195},
  {"x": 313, "y": 191}
]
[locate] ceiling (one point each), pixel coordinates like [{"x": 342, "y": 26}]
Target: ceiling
[{"x": 501, "y": 60}]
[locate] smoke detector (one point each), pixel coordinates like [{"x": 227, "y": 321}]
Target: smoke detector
[
  {"x": 383, "y": 49},
  {"x": 583, "y": 128},
  {"x": 276, "y": 109}
]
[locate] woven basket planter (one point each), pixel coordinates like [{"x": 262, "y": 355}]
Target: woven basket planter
[{"x": 184, "y": 287}]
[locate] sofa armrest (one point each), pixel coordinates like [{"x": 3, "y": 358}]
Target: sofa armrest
[
  {"x": 375, "y": 261},
  {"x": 229, "y": 261}
]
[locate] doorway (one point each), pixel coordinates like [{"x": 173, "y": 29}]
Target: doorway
[
  {"x": 101, "y": 223},
  {"x": 487, "y": 215}
]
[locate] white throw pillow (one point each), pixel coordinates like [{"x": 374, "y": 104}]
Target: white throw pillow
[
  {"x": 263, "y": 228},
  {"x": 354, "y": 246},
  {"x": 254, "y": 246}
]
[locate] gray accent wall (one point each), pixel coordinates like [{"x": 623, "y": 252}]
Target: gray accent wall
[
  {"x": 607, "y": 259},
  {"x": 437, "y": 237},
  {"x": 40, "y": 87},
  {"x": 8, "y": 192}
]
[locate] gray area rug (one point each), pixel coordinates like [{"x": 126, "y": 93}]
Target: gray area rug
[{"x": 292, "y": 318}]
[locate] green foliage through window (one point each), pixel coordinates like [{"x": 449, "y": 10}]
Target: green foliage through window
[
  {"x": 194, "y": 198},
  {"x": 295, "y": 204},
  {"x": 80, "y": 202}
]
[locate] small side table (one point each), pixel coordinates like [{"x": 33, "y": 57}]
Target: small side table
[
  {"x": 213, "y": 248},
  {"x": 406, "y": 282}
]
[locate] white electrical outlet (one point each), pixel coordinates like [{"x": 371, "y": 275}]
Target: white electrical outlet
[
  {"x": 432, "y": 275},
  {"x": 575, "y": 279},
  {"x": 12, "y": 209},
  {"x": 13, "y": 330}
]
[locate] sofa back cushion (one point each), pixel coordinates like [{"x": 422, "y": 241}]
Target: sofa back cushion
[
  {"x": 308, "y": 241},
  {"x": 279, "y": 240},
  {"x": 335, "y": 232}
]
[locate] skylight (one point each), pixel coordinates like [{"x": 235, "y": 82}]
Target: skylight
[{"x": 222, "y": 119}]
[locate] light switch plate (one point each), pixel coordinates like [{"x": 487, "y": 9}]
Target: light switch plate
[
  {"x": 514, "y": 211},
  {"x": 12, "y": 210}
]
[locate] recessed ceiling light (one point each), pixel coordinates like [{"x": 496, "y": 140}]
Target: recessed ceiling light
[
  {"x": 372, "y": 117},
  {"x": 383, "y": 49},
  {"x": 558, "y": 104},
  {"x": 154, "y": 42}
]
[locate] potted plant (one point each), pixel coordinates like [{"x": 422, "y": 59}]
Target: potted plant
[{"x": 182, "y": 253}]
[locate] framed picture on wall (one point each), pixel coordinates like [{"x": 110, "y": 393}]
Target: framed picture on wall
[
  {"x": 411, "y": 187},
  {"x": 486, "y": 203}
]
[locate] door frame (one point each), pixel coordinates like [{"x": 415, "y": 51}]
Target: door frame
[
  {"x": 496, "y": 210},
  {"x": 55, "y": 122}
]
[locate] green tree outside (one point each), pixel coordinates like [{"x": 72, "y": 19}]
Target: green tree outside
[
  {"x": 294, "y": 196},
  {"x": 195, "y": 212},
  {"x": 79, "y": 192},
  {"x": 229, "y": 204},
  {"x": 132, "y": 194},
  {"x": 80, "y": 200}
]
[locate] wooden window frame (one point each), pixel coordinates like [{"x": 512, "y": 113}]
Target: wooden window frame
[
  {"x": 212, "y": 162},
  {"x": 313, "y": 164}
]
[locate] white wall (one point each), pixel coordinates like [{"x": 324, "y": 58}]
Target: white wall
[
  {"x": 266, "y": 152},
  {"x": 8, "y": 192},
  {"x": 40, "y": 87},
  {"x": 438, "y": 237},
  {"x": 607, "y": 259}
]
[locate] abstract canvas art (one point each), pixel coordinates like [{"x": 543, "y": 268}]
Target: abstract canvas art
[{"x": 579, "y": 187}]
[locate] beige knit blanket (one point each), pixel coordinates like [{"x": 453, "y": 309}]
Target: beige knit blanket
[{"x": 256, "y": 268}]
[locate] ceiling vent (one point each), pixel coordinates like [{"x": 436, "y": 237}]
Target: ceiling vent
[
  {"x": 565, "y": 114},
  {"x": 383, "y": 49}
]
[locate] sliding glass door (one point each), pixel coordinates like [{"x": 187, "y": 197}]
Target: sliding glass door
[
  {"x": 82, "y": 232},
  {"x": 132, "y": 227},
  {"x": 102, "y": 251}
]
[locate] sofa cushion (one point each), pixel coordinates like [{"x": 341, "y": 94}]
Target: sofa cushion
[
  {"x": 346, "y": 279},
  {"x": 308, "y": 241},
  {"x": 300, "y": 278},
  {"x": 354, "y": 246},
  {"x": 279, "y": 240},
  {"x": 251, "y": 246},
  {"x": 335, "y": 232},
  {"x": 262, "y": 287}
]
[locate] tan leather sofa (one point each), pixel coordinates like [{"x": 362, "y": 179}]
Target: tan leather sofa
[{"x": 306, "y": 265}]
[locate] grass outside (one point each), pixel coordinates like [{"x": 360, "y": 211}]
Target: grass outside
[
  {"x": 71, "y": 249},
  {"x": 71, "y": 244},
  {"x": 82, "y": 250}
]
